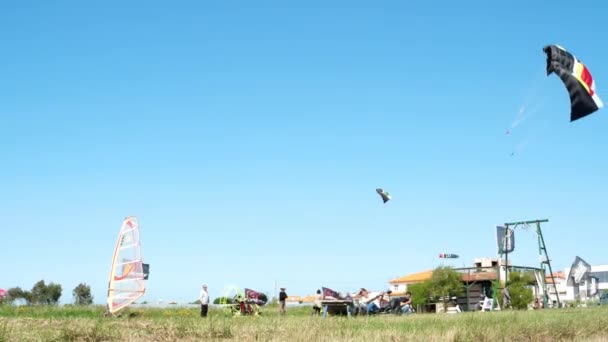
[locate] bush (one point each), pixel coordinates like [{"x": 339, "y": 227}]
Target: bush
[{"x": 222, "y": 300}]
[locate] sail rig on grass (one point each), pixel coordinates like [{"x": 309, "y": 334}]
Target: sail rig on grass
[{"x": 128, "y": 272}]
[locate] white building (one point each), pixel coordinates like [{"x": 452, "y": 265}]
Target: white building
[{"x": 594, "y": 283}]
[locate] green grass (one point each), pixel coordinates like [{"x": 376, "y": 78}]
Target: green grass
[{"x": 184, "y": 324}]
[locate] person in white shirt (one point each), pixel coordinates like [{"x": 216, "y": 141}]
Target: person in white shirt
[
  {"x": 204, "y": 298},
  {"x": 370, "y": 301},
  {"x": 317, "y": 303}
]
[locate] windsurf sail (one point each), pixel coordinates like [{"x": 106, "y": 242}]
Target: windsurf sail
[{"x": 127, "y": 273}]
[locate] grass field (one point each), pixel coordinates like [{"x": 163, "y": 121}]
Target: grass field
[{"x": 181, "y": 324}]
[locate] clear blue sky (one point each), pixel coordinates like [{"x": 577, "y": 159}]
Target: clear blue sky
[{"x": 249, "y": 139}]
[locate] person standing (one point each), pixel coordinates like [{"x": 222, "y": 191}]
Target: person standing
[
  {"x": 506, "y": 298},
  {"x": 318, "y": 303},
  {"x": 282, "y": 299},
  {"x": 204, "y": 298}
]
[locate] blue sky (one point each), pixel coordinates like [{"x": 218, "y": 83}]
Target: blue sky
[{"x": 249, "y": 139}]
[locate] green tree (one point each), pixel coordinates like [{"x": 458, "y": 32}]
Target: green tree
[
  {"x": 421, "y": 292},
  {"x": 82, "y": 294},
  {"x": 445, "y": 283},
  {"x": 54, "y": 293},
  {"x": 222, "y": 300},
  {"x": 14, "y": 293},
  {"x": 42, "y": 294},
  {"x": 519, "y": 289}
]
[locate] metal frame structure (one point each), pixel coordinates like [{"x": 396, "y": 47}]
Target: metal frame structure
[{"x": 544, "y": 259}]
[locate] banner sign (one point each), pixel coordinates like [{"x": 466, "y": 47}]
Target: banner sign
[{"x": 506, "y": 243}]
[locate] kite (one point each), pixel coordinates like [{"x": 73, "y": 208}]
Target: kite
[
  {"x": 255, "y": 297},
  {"x": 578, "y": 81},
  {"x": 128, "y": 273},
  {"x": 448, "y": 256},
  {"x": 385, "y": 195}
]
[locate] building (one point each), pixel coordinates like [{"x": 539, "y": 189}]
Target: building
[
  {"x": 593, "y": 283},
  {"x": 581, "y": 281},
  {"x": 479, "y": 280},
  {"x": 399, "y": 285}
]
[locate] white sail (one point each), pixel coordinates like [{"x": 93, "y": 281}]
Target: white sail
[{"x": 126, "y": 275}]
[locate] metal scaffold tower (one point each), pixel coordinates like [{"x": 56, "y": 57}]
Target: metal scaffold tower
[{"x": 545, "y": 262}]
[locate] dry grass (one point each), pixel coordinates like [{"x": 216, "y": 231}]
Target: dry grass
[{"x": 73, "y": 324}]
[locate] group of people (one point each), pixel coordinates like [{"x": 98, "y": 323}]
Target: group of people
[
  {"x": 204, "y": 299},
  {"x": 370, "y": 302},
  {"x": 364, "y": 302},
  {"x": 375, "y": 302}
]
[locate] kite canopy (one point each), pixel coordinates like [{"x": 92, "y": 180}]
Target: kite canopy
[
  {"x": 385, "y": 195},
  {"x": 577, "y": 79},
  {"x": 255, "y": 296},
  {"x": 330, "y": 294}
]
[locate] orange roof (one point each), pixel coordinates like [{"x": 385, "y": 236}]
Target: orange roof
[
  {"x": 556, "y": 275},
  {"x": 426, "y": 275},
  {"x": 413, "y": 278},
  {"x": 477, "y": 276},
  {"x": 293, "y": 299},
  {"x": 308, "y": 299}
]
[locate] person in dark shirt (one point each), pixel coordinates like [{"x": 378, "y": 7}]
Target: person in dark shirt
[
  {"x": 406, "y": 303},
  {"x": 282, "y": 299}
]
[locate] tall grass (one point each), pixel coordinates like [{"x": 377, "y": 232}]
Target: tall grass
[{"x": 184, "y": 324}]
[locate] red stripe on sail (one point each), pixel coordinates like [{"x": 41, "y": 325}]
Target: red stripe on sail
[{"x": 586, "y": 77}]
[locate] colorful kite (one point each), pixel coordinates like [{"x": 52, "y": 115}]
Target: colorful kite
[
  {"x": 577, "y": 79},
  {"x": 255, "y": 296},
  {"x": 330, "y": 294},
  {"x": 385, "y": 195},
  {"x": 448, "y": 256}
]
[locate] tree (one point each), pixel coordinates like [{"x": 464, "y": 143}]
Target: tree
[
  {"x": 82, "y": 294},
  {"x": 445, "y": 283},
  {"x": 14, "y": 293},
  {"x": 521, "y": 294},
  {"x": 222, "y": 300},
  {"x": 43, "y": 294},
  {"x": 420, "y": 292}
]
